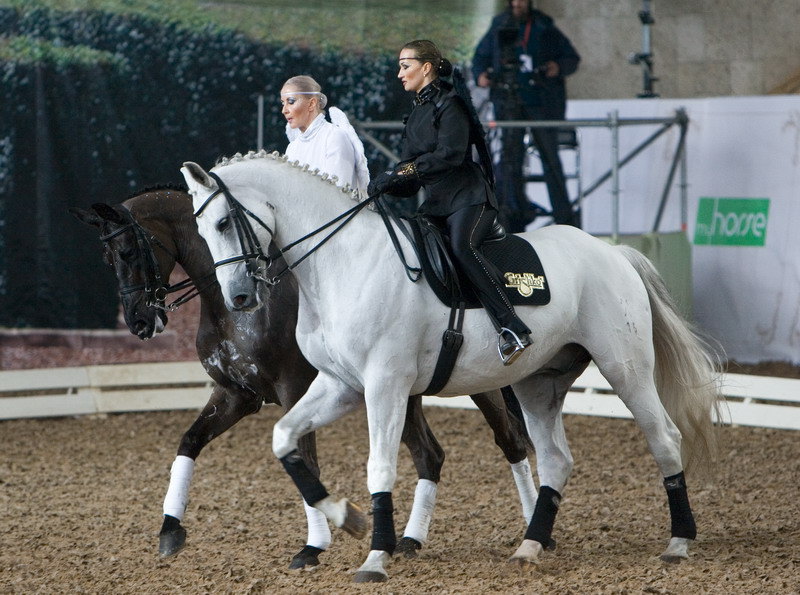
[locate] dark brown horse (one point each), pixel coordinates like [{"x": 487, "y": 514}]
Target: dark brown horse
[{"x": 253, "y": 359}]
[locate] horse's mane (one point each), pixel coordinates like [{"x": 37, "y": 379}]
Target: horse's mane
[
  {"x": 276, "y": 156},
  {"x": 158, "y": 187}
]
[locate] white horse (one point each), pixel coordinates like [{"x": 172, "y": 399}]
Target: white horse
[{"x": 371, "y": 331}]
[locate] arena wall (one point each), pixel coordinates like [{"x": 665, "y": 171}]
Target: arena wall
[
  {"x": 89, "y": 390},
  {"x": 742, "y": 151}
]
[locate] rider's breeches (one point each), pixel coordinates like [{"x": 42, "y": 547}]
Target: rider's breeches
[{"x": 467, "y": 228}]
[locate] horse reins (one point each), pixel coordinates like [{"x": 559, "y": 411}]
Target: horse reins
[
  {"x": 155, "y": 290},
  {"x": 251, "y": 247}
]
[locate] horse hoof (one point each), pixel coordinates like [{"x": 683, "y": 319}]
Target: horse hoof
[
  {"x": 306, "y": 559},
  {"x": 408, "y": 546},
  {"x": 527, "y": 554},
  {"x": 677, "y": 551},
  {"x": 355, "y": 521},
  {"x": 373, "y": 570},
  {"x": 171, "y": 542},
  {"x": 522, "y": 563},
  {"x": 551, "y": 545},
  {"x": 369, "y": 576}
]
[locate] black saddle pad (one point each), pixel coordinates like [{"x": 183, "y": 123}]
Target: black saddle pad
[{"x": 517, "y": 261}]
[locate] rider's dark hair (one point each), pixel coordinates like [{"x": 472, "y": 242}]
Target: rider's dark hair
[{"x": 427, "y": 51}]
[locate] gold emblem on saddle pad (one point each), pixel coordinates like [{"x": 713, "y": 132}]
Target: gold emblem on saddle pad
[{"x": 525, "y": 282}]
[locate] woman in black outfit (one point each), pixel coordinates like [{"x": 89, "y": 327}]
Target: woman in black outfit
[{"x": 437, "y": 155}]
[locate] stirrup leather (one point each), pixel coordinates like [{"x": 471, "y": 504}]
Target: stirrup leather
[{"x": 510, "y": 346}]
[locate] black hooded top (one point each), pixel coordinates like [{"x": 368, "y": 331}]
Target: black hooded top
[{"x": 438, "y": 138}]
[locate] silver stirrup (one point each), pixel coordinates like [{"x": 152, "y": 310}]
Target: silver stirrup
[{"x": 518, "y": 347}]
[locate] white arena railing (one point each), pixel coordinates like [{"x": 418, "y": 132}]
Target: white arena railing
[{"x": 760, "y": 401}]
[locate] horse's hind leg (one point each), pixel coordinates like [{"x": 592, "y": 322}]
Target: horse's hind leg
[
  {"x": 428, "y": 457},
  {"x": 225, "y": 407},
  {"x": 542, "y": 398},
  {"x": 636, "y": 388},
  {"x": 501, "y": 411}
]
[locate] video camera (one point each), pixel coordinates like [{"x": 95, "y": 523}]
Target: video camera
[
  {"x": 510, "y": 65},
  {"x": 509, "y": 60}
]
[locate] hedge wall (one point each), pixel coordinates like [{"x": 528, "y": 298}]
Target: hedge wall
[{"x": 131, "y": 101}]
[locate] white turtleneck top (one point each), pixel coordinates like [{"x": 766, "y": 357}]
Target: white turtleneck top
[{"x": 332, "y": 148}]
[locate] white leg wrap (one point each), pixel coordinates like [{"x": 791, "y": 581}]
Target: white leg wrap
[
  {"x": 422, "y": 511},
  {"x": 319, "y": 533},
  {"x": 180, "y": 476},
  {"x": 523, "y": 477}
]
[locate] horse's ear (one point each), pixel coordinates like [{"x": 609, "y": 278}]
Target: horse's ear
[
  {"x": 89, "y": 217},
  {"x": 108, "y": 213},
  {"x": 193, "y": 173}
]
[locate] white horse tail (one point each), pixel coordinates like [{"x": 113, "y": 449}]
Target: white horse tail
[{"x": 686, "y": 368}]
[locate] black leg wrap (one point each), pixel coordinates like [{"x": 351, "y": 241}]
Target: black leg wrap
[
  {"x": 679, "y": 510},
  {"x": 544, "y": 516},
  {"x": 383, "y": 535},
  {"x": 310, "y": 487}
]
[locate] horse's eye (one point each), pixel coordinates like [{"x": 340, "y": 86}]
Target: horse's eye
[{"x": 223, "y": 223}]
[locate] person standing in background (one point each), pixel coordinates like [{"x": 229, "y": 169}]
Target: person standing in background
[{"x": 524, "y": 58}]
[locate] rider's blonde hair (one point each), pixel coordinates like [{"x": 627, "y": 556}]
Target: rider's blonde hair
[{"x": 307, "y": 85}]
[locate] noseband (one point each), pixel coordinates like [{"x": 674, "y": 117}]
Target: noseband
[
  {"x": 248, "y": 241},
  {"x": 154, "y": 288}
]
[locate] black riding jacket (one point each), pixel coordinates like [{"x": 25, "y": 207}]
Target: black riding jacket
[{"x": 437, "y": 138}]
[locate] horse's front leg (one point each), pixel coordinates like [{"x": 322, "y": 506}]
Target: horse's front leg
[
  {"x": 386, "y": 410},
  {"x": 326, "y": 400},
  {"x": 428, "y": 457},
  {"x": 225, "y": 407},
  {"x": 319, "y": 533}
]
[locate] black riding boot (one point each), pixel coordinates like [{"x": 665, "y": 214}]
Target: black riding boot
[{"x": 467, "y": 228}]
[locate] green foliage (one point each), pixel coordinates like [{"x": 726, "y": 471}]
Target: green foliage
[
  {"x": 30, "y": 50},
  {"x": 362, "y": 26},
  {"x": 101, "y": 97},
  {"x": 76, "y": 128}
]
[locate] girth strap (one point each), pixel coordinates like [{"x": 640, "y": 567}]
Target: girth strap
[{"x": 452, "y": 339}]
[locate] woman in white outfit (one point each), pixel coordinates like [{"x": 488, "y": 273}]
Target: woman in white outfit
[
  {"x": 331, "y": 147},
  {"x": 334, "y": 148}
]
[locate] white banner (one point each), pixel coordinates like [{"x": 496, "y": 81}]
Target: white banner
[{"x": 743, "y": 184}]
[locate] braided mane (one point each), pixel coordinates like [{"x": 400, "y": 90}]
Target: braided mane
[{"x": 276, "y": 156}]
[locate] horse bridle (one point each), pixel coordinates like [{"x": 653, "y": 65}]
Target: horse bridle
[
  {"x": 154, "y": 288},
  {"x": 248, "y": 241}
]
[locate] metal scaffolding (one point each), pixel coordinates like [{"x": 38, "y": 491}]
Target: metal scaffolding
[{"x": 613, "y": 122}]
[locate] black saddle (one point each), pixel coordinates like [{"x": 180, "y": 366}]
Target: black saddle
[{"x": 517, "y": 261}]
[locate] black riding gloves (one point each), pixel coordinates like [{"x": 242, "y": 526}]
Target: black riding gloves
[
  {"x": 379, "y": 183},
  {"x": 403, "y": 181}
]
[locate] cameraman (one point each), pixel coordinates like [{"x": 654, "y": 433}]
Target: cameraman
[{"x": 524, "y": 59}]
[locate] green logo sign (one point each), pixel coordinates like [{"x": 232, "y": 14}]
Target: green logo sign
[{"x": 731, "y": 222}]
